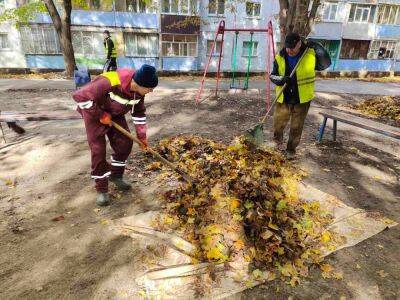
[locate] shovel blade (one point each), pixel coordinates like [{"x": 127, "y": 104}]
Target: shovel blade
[{"x": 255, "y": 135}]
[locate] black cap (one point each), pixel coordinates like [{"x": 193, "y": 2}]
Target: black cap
[
  {"x": 291, "y": 40},
  {"x": 146, "y": 76},
  {"x": 106, "y": 32}
]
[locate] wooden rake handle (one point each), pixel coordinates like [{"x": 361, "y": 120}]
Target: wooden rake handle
[{"x": 155, "y": 154}]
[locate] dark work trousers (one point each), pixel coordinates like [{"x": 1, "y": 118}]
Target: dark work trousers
[
  {"x": 110, "y": 65},
  {"x": 121, "y": 145},
  {"x": 296, "y": 113}
]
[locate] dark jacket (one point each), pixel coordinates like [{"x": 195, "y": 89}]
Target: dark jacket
[
  {"x": 110, "y": 46},
  {"x": 291, "y": 93}
]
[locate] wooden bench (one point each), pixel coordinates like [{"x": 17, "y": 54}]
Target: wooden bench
[{"x": 356, "y": 121}]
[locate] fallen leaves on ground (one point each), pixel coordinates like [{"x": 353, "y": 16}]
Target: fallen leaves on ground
[
  {"x": 382, "y": 273},
  {"x": 58, "y": 218},
  {"x": 244, "y": 208},
  {"x": 387, "y": 107}
]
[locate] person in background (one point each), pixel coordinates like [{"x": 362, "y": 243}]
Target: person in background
[
  {"x": 294, "y": 103},
  {"x": 111, "y": 52}
]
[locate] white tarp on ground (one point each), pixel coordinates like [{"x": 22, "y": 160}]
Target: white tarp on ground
[{"x": 166, "y": 269}]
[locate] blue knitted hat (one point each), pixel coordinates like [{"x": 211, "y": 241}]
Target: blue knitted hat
[{"x": 146, "y": 76}]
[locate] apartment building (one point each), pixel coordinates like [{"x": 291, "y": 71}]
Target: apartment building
[
  {"x": 361, "y": 35},
  {"x": 176, "y": 35}
]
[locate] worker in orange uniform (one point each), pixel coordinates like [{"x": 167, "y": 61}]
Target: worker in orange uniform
[{"x": 110, "y": 96}]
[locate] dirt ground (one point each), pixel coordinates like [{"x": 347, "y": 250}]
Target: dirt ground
[{"x": 45, "y": 174}]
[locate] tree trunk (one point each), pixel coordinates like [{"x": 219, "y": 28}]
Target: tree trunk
[
  {"x": 297, "y": 16},
  {"x": 62, "y": 24}
]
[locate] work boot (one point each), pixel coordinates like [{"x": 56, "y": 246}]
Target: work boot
[
  {"x": 290, "y": 154},
  {"x": 102, "y": 199},
  {"x": 120, "y": 183}
]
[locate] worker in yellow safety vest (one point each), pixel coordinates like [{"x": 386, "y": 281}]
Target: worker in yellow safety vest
[
  {"x": 294, "y": 102},
  {"x": 111, "y": 52}
]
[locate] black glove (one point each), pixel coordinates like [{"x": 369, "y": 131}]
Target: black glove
[{"x": 287, "y": 79}]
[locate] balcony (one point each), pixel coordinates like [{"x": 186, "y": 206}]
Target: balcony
[{"x": 359, "y": 31}]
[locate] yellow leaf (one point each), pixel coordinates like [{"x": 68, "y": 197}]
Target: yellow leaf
[
  {"x": 326, "y": 237},
  {"x": 281, "y": 251},
  {"x": 239, "y": 245},
  {"x": 104, "y": 222},
  {"x": 382, "y": 273},
  {"x": 191, "y": 211},
  {"x": 257, "y": 274},
  {"x": 142, "y": 294},
  {"x": 250, "y": 283},
  {"x": 234, "y": 204},
  {"x": 273, "y": 226},
  {"x": 9, "y": 182},
  {"x": 190, "y": 220},
  {"x": 266, "y": 234},
  {"x": 326, "y": 268},
  {"x": 338, "y": 275},
  {"x": 168, "y": 220},
  {"x": 358, "y": 266}
]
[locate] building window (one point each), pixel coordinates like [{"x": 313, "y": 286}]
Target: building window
[
  {"x": 389, "y": 14},
  {"x": 217, "y": 47},
  {"x": 40, "y": 40},
  {"x": 216, "y": 7},
  {"x": 135, "y": 6},
  {"x": 88, "y": 43},
  {"x": 253, "y": 9},
  {"x": 4, "y": 45},
  {"x": 181, "y": 7},
  {"x": 145, "y": 45},
  {"x": 179, "y": 45},
  {"x": 354, "y": 49},
  {"x": 246, "y": 49},
  {"x": 330, "y": 11},
  {"x": 382, "y": 49},
  {"x": 362, "y": 13}
]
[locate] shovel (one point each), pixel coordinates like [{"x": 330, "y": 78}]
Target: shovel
[
  {"x": 155, "y": 154},
  {"x": 255, "y": 134}
]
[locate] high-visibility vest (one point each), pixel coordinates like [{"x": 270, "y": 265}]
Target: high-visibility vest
[
  {"x": 114, "y": 49},
  {"x": 305, "y": 74},
  {"x": 113, "y": 77}
]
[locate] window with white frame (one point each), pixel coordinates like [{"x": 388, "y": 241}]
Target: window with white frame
[
  {"x": 362, "y": 13},
  {"x": 88, "y": 43},
  {"x": 179, "y": 45},
  {"x": 135, "y": 6},
  {"x": 253, "y": 9},
  {"x": 40, "y": 40},
  {"x": 217, "y": 47},
  {"x": 141, "y": 44},
  {"x": 330, "y": 11},
  {"x": 216, "y": 7},
  {"x": 389, "y": 14},
  {"x": 4, "y": 45},
  {"x": 382, "y": 50},
  {"x": 181, "y": 7},
  {"x": 246, "y": 49}
]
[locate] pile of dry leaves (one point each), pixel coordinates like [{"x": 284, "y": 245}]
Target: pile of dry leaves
[
  {"x": 244, "y": 210},
  {"x": 387, "y": 107}
]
